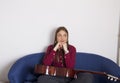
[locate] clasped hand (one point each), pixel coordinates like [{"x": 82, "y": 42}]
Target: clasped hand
[{"x": 61, "y": 45}]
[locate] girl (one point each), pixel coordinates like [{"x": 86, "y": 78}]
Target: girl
[{"x": 62, "y": 54}]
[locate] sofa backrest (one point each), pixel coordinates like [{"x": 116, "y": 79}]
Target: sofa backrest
[
  {"x": 88, "y": 61},
  {"x": 85, "y": 61}
]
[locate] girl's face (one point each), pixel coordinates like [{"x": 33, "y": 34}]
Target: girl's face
[{"x": 62, "y": 37}]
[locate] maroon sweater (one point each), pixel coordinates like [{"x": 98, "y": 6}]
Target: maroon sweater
[{"x": 69, "y": 57}]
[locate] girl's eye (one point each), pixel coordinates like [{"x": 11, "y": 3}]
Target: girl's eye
[
  {"x": 65, "y": 35},
  {"x": 59, "y": 35}
]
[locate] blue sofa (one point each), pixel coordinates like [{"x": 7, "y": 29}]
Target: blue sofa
[{"x": 22, "y": 71}]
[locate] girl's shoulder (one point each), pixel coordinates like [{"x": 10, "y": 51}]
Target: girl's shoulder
[
  {"x": 51, "y": 46},
  {"x": 71, "y": 46}
]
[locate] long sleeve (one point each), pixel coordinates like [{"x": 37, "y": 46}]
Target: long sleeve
[
  {"x": 49, "y": 56},
  {"x": 70, "y": 57}
]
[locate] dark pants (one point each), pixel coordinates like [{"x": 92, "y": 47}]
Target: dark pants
[{"x": 81, "y": 78}]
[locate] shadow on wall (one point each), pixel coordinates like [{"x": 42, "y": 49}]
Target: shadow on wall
[
  {"x": 118, "y": 53},
  {"x": 4, "y": 72},
  {"x": 52, "y": 35}
]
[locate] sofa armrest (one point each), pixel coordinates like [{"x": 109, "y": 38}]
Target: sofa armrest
[
  {"x": 18, "y": 72},
  {"x": 23, "y": 69},
  {"x": 110, "y": 67}
]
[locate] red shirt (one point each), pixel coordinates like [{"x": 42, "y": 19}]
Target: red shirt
[{"x": 69, "y": 57}]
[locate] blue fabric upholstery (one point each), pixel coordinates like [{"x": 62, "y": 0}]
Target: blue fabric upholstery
[{"x": 22, "y": 71}]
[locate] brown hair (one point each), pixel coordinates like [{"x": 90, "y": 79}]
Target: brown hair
[{"x": 59, "y": 29}]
